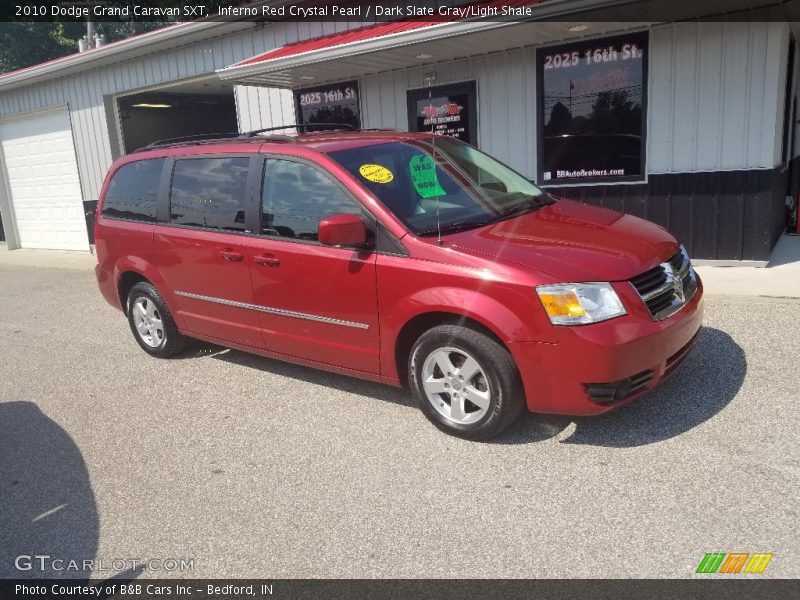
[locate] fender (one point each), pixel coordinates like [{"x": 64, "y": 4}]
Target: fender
[
  {"x": 139, "y": 265},
  {"x": 505, "y": 323}
]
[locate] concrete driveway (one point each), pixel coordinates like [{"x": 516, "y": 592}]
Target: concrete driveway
[{"x": 251, "y": 467}]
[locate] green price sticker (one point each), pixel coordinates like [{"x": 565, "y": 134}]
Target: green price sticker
[{"x": 423, "y": 176}]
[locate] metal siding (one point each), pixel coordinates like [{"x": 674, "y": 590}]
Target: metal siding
[
  {"x": 84, "y": 92},
  {"x": 517, "y": 136},
  {"x": 370, "y": 89},
  {"x": 388, "y": 111},
  {"x": 724, "y": 215},
  {"x": 709, "y": 98},
  {"x": 259, "y": 108},
  {"x": 795, "y": 149},
  {"x": 735, "y": 84},
  {"x": 531, "y": 110},
  {"x": 100, "y": 139},
  {"x": 242, "y": 108},
  {"x": 727, "y": 78},
  {"x": 684, "y": 95},
  {"x": 399, "y": 81},
  {"x": 715, "y": 96},
  {"x": 506, "y": 101},
  {"x": 757, "y": 94},
  {"x": 366, "y": 87},
  {"x": 775, "y": 95},
  {"x": 495, "y": 95}
]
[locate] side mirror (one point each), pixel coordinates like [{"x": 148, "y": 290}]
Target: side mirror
[{"x": 344, "y": 229}]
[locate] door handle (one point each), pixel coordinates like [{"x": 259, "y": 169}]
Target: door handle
[
  {"x": 266, "y": 260},
  {"x": 231, "y": 256}
]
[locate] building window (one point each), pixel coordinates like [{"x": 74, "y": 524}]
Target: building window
[
  {"x": 133, "y": 192},
  {"x": 446, "y": 110},
  {"x": 592, "y": 111},
  {"x": 210, "y": 193},
  {"x": 336, "y": 103}
]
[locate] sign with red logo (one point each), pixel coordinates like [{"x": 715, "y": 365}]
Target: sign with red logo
[
  {"x": 432, "y": 112},
  {"x": 445, "y": 110}
]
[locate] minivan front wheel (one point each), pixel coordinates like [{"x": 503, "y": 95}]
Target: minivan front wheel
[
  {"x": 151, "y": 322},
  {"x": 465, "y": 382}
]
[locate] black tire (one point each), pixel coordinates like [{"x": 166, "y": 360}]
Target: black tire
[
  {"x": 504, "y": 387},
  {"x": 168, "y": 342}
]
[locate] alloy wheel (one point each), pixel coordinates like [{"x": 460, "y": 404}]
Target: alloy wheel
[
  {"x": 148, "y": 322},
  {"x": 456, "y": 385}
]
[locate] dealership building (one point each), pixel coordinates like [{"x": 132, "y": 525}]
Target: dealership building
[{"x": 690, "y": 124}]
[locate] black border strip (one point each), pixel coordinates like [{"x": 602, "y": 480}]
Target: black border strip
[
  {"x": 367, "y": 12},
  {"x": 711, "y": 586}
]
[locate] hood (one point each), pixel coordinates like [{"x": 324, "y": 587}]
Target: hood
[{"x": 573, "y": 242}]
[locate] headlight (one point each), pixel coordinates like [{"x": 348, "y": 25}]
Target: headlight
[{"x": 580, "y": 303}]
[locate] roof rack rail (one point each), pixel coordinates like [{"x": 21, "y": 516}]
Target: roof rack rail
[
  {"x": 189, "y": 138},
  {"x": 220, "y": 137},
  {"x": 299, "y": 126}
]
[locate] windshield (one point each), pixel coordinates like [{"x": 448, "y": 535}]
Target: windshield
[{"x": 452, "y": 187}]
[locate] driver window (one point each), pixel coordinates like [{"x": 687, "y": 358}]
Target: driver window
[{"x": 296, "y": 197}]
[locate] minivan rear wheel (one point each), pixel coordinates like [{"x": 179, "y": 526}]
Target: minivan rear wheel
[
  {"x": 152, "y": 323},
  {"x": 465, "y": 382}
]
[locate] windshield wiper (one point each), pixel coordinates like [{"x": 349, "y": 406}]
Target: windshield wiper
[
  {"x": 456, "y": 227},
  {"x": 533, "y": 203}
]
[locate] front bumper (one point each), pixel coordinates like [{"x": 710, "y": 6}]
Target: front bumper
[{"x": 595, "y": 368}]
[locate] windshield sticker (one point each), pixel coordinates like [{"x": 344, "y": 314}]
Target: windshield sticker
[
  {"x": 376, "y": 173},
  {"x": 423, "y": 176}
]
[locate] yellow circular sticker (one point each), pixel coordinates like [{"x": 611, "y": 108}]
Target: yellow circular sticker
[{"x": 376, "y": 173}]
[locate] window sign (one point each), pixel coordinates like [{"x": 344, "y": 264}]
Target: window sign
[
  {"x": 592, "y": 99},
  {"x": 446, "y": 110},
  {"x": 335, "y": 103},
  {"x": 423, "y": 175}
]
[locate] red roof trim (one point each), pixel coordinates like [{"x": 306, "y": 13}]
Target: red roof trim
[
  {"x": 365, "y": 33},
  {"x": 337, "y": 39}
]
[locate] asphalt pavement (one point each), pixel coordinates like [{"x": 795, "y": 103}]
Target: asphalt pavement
[{"x": 244, "y": 466}]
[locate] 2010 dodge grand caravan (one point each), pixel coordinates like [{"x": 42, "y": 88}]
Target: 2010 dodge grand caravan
[{"x": 401, "y": 258}]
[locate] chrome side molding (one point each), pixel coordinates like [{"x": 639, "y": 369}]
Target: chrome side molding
[{"x": 275, "y": 311}]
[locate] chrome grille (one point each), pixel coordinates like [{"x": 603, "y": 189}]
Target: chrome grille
[{"x": 667, "y": 287}]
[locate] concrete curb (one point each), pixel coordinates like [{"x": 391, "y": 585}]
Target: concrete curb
[
  {"x": 54, "y": 259},
  {"x": 780, "y": 278}
]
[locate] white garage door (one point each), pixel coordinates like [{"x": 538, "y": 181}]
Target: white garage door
[{"x": 43, "y": 176}]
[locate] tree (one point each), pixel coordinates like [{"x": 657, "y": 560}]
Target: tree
[
  {"x": 25, "y": 44},
  {"x": 616, "y": 112},
  {"x": 560, "y": 120}
]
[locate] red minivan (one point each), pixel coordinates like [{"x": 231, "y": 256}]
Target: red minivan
[{"x": 409, "y": 259}]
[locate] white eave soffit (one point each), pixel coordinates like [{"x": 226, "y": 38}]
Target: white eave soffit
[{"x": 274, "y": 71}]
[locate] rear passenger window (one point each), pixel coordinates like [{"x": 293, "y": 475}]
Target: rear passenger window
[
  {"x": 210, "y": 193},
  {"x": 133, "y": 192},
  {"x": 296, "y": 197}
]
